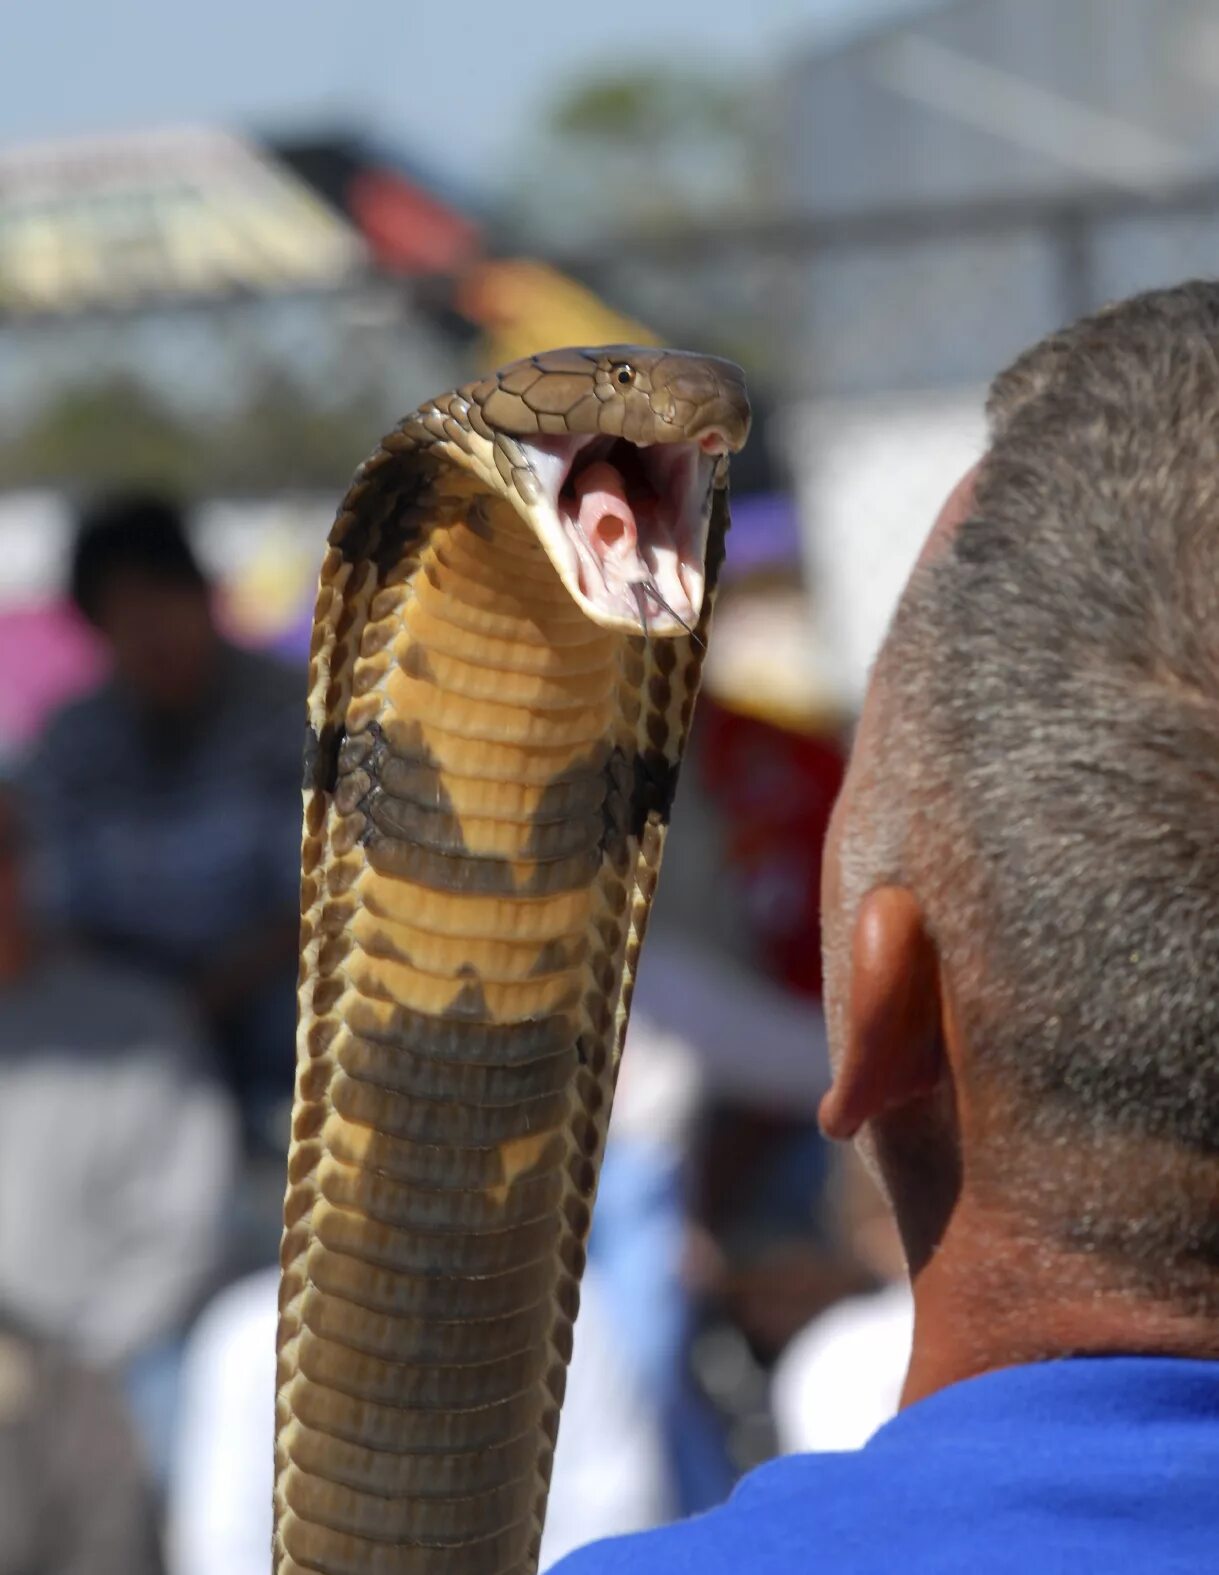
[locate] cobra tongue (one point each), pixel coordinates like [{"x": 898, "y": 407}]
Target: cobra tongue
[{"x": 607, "y": 523}]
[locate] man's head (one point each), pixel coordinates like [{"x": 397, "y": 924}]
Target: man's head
[
  {"x": 1022, "y": 884},
  {"x": 136, "y": 579}
]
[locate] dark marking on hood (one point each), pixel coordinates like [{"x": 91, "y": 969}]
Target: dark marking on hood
[{"x": 320, "y": 758}]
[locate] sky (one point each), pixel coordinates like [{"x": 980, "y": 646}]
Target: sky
[{"x": 457, "y": 84}]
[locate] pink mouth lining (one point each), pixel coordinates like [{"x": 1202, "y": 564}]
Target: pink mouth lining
[
  {"x": 607, "y": 521},
  {"x": 633, "y": 522}
]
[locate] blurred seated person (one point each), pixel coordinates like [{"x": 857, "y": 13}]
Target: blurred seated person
[
  {"x": 761, "y": 1261},
  {"x": 74, "y": 1495},
  {"x": 117, "y": 1147},
  {"x": 840, "y": 1378},
  {"x": 167, "y": 803},
  {"x": 682, "y": 1072},
  {"x": 1021, "y": 910},
  {"x": 609, "y": 1473}
]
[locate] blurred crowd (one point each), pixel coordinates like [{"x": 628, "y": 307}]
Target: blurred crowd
[{"x": 744, "y": 1292}]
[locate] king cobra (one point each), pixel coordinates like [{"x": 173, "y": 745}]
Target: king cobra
[{"x": 511, "y": 618}]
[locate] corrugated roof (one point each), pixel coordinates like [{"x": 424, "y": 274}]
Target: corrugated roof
[
  {"x": 188, "y": 212},
  {"x": 859, "y": 23}
]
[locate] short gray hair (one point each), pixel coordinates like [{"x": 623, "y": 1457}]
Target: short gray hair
[{"x": 1048, "y": 775}]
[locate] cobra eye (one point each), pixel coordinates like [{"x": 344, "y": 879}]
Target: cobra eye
[{"x": 625, "y": 375}]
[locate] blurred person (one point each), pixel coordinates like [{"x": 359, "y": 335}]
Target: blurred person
[
  {"x": 691, "y": 1008},
  {"x": 167, "y": 801},
  {"x": 773, "y": 780},
  {"x": 1021, "y": 906},
  {"x": 74, "y": 1496},
  {"x": 761, "y": 1262},
  {"x": 609, "y": 1473},
  {"x": 840, "y": 1378},
  {"x": 766, "y": 765},
  {"x": 117, "y": 1146}
]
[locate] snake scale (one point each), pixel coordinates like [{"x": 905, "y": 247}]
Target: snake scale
[{"x": 511, "y": 617}]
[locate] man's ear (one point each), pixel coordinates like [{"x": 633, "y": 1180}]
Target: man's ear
[{"x": 893, "y": 1051}]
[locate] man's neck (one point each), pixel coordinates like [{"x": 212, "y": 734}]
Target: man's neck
[{"x": 995, "y": 1294}]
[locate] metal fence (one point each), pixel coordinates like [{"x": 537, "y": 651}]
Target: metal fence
[
  {"x": 907, "y": 298},
  {"x": 871, "y": 338}
]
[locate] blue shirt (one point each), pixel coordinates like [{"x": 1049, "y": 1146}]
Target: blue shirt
[{"x": 1096, "y": 1464}]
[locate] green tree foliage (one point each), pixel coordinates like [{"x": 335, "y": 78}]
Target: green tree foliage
[
  {"x": 648, "y": 108},
  {"x": 119, "y": 431},
  {"x": 102, "y": 434},
  {"x": 640, "y": 147}
]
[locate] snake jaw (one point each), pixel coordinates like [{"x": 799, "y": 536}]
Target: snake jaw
[{"x": 625, "y": 525}]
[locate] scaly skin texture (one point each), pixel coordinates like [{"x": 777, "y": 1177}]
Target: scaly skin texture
[{"x": 488, "y": 783}]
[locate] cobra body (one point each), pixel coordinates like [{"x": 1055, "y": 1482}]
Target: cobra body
[{"x": 506, "y": 652}]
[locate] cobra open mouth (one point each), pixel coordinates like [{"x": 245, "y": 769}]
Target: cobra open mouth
[{"x": 625, "y": 525}]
